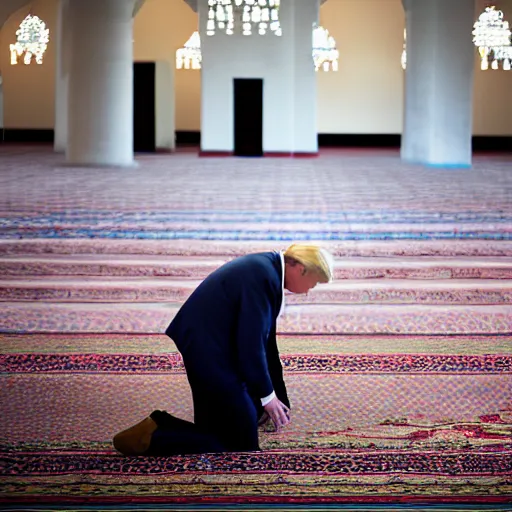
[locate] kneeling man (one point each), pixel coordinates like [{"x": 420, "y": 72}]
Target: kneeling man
[{"x": 226, "y": 334}]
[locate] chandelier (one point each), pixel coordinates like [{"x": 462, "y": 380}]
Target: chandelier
[
  {"x": 32, "y": 39},
  {"x": 492, "y": 37},
  {"x": 262, "y": 15},
  {"x": 189, "y": 57},
  {"x": 325, "y": 53}
]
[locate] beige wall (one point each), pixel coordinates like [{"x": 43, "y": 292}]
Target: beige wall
[
  {"x": 29, "y": 97},
  {"x": 1, "y": 93},
  {"x": 492, "y": 103},
  {"x": 365, "y": 96},
  {"x": 160, "y": 28}
]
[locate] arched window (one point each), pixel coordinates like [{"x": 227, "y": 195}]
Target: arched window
[{"x": 31, "y": 39}]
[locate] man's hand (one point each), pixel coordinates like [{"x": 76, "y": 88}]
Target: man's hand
[{"x": 278, "y": 412}]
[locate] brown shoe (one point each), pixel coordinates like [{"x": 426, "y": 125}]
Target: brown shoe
[{"x": 135, "y": 440}]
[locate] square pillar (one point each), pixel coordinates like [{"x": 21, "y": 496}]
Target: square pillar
[
  {"x": 438, "y": 120},
  {"x": 284, "y": 63}
]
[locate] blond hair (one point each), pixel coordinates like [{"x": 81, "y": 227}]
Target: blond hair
[{"x": 314, "y": 258}]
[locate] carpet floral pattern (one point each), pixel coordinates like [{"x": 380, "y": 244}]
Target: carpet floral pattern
[{"x": 399, "y": 372}]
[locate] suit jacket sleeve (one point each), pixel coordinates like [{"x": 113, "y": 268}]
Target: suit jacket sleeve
[
  {"x": 276, "y": 368},
  {"x": 255, "y": 320}
]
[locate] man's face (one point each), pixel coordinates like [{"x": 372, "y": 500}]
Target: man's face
[{"x": 298, "y": 279}]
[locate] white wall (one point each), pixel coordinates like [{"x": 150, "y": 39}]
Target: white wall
[{"x": 276, "y": 60}]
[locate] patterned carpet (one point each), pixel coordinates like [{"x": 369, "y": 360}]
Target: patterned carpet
[{"x": 399, "y": 372}]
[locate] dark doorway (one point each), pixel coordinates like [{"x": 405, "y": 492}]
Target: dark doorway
[
  {"x": 144, "y": 111},
  {"x": 248, "y": 93}
]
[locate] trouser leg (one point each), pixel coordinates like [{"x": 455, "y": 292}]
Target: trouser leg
[
  {"x": 175, "y": 436},
  {"x": 162, "y": 434},
  {"x": 226, "y": 411}
]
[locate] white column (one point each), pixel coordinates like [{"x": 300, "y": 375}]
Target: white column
[
  {"x": 100, "y": 122},
  {"x": 62, "y": 42},
  {"x": 305, "y": 80},
  {"x": 285, "y": 65},
  {"x": 439, "y": 83}
]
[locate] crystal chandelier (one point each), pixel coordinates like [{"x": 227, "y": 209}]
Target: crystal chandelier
[
  {"x": 325, "y": 53},
  {"x": 262, "y": 15},
  {"x": 32, "y": 39},
  {"x": 189, "y": 57},
  {"x": 492, "y": 37}
]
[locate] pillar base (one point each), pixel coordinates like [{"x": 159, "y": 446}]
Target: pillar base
[
  {"x": 447, "y": 166},
  {"x": 132, "y": 165}
]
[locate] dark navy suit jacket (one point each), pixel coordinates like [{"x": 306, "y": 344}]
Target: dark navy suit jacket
[{"x": 227, "y": 327}]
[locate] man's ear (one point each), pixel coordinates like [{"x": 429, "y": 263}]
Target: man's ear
[{"x": 303, "y": 270}]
